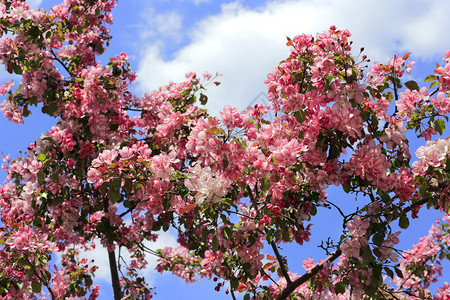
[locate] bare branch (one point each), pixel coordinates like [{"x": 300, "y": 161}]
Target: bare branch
[
  {"x": 281, "y": 262},
  {"x": 308, "y": 275}
]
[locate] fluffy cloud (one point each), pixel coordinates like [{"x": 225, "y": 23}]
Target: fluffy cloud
[
  {"x": 167, "y": 25},
  {"x": 245, "y": 44},
  {"x": 100, "y": 256},
  {"x": 34, "y": 3}
]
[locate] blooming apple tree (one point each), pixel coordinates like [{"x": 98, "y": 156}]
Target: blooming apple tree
[{"x": 121, "y": 168}]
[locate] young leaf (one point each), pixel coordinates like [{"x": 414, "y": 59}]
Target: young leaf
[
  {"x": 289, "y": 42},
  {"x": 405, "y": 57},
  {"x": 439, "y": 126},
  {"x": 188, "y": 207},
  {"x": 430, "y": 78}
]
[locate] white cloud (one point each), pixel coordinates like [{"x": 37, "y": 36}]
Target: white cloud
[
  {"x": 165, "y": 25},
  {"x": 245, "y": 44},
  {"x": 100, "y": 256},
  {"x": 34, "y": 3},
  {"x": 197, "y": 2}
]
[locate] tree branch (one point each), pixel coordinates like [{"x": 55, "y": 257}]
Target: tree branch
[
  {"x": 112, "y": 263},
  {"x": 232, "y": 293},
  {"x": 114, "y": 275},
  {"x": 308, "y": 275},
  {"x": 254, "y": 204},
  {"x": 282, "y": 265}
]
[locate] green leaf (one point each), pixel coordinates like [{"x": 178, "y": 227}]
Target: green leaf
[
  {"x": 403, "y": 222},
  {"x": 313, "y": 211},
  {"x": 25, "y": 112},
  {"x": 42, "y": 157},
  {"x": 367, "y": 255},
  {"x": 322, "y": 142},
  {"x": 300, "y": 116},
  {"x": 334, "y": 152},
  {"x": 104, "y": 187},
  {"x": 398, "y": 272},
  {"x": 113, "y": 126},
  {"x": 430, "y": 78},
  {"x": 412, "y": 85},
  {"x": 116, "y": 183},
  {"x": 389, "y": 272},
  {"x": 88, "y": 281},
  {"x": 388, "y": 96},
  {"x": 50, "y": 108},
  {"x": 339, "y": 287},
  {"x": 215, "y": 243},
  {"x": 423, "y": 189},
  {"x": 128, "y": 185},
  {"x": 439, "y": 126},
  {"x": 185, "y": 92},
  {"x": 265, "y": 183},
  {"x": 36, "y": 286},
  {"x": 114, "y": 195},
  {"x": 165, "y": 226},
  {"x": 377, "y": 278},
  {"x": 227, "y": 233},
  {"x": 433, "y": 84},
  {"x": 41, "y": 177},
  {"x": 17, "y": 69},
  {"x": 205, "y": 233},
  {"x": 378, "y": 238},
  {"x": 203, "y": 99},
  {"x": 369, "y": 290},
  {"x": 347, "y": 187},
  {"x": 55, "y": 177},
  {"x": 127, "y": 204}
]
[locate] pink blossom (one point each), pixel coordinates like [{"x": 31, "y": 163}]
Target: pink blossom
[
  {"x": 350, "y": 248},
  {"x": 358, "y": 226}
]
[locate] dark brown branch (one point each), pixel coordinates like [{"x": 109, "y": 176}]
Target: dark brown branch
[
  {"x": 250, "y": 194},
  {"x": 42, "y": 279},
  {"x": 420, "y": 202},
  {"x": 112, "y": 262},
  {"x": 308, "y": 275},
  {"x": 114, "y": 275},
  {"x": 281, "y": 262},
  {"x": 270, "y": 277},
  {"x": 55, "y": 57},
  {"x": 232, "y": 293}
]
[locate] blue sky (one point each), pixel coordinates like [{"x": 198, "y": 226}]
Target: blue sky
[{"x": 244, "y": 40}]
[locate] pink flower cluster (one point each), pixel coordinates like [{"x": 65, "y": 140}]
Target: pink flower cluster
[{"x": 433, "y": 154}]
